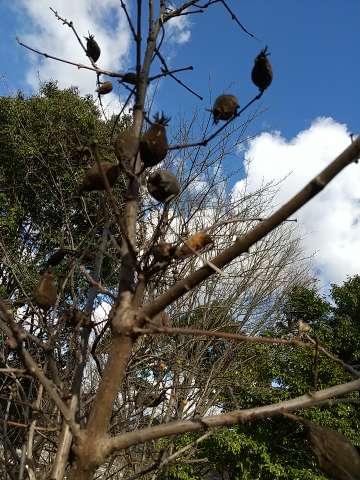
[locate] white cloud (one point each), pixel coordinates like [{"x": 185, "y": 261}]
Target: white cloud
[
  {"x": 178, "y": 29},
  {"x": 45, "y": 33},
  {"x": 330, "y": 222}
]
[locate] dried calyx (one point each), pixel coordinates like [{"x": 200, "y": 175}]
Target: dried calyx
[
  {"x": 337, "y": 457},
  {"x": 225, "y": 107},
  {"x": 196, "y": 242},
  {"x": 92, "y": 48},
  {"x": 153, "y": 144},
  {"x": 163, "y": 185},
  {"x": 262, "y": 74},
  {"x": 45, "y": 293},
  {"x": 93, "y": 179},
  {"x": 104, "y": 88}
]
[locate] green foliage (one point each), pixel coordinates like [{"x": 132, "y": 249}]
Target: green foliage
[
  {"x": 277, "y": 448},
  {"x": 43, "y": 156}
]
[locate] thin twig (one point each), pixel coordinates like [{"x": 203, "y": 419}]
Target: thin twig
[
  {"x": 96, "y": 284},
  {"x": 109, "y": 73},
  {"x": 166, "y": 69},
  {"x": 128, "y": 439},
  {"x": 205, "y": 141},
  {"x": 243, "y": 243},
  {"x": 336, "y": 359},
  {"x": 214, "y": 334}
]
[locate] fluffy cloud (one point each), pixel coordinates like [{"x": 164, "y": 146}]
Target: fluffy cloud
[
  {"x": 178, "y": 29},
  {"x": 43, "y": 31},
  {"x": 330, "y": 222}
]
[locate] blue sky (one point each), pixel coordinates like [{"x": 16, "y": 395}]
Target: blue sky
[
  {"x": 314, "y": 49},
  {"x": 314, "y": 53}
]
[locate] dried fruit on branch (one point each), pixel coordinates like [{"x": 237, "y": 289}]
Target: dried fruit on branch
[
  {"x": 303, "y": 327},
  {"x": 196, "y": 242},
  {"x": 338, "y": 458},
  {"x": 162, "y": 319},
  {"x": 58, "y": 256},
  {"x": 150, "y": 400},
  {"x": 154, "y": 144},
  {"x": 163, "y": 185},
  {"x": 45, "y": 293},
  {"x": 126, "y": 146},
  {"x": 94, "y": 180},
  {"x": 104, "y": 88},
  {"x": 225, "y": 107},
  {"x": 130, "y": 77},
  {"x": 92, "y": 48},
  {"x": 75, "y": 317},
  {"x": 262, "y": 74},
  {"x": 163, "y": 251}
]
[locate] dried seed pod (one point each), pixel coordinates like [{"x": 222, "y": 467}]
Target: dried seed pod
[
  {"x": 262, "y": 74},
  {"x": 93, "y": 179},
  {"x": 163, "y": 251},
  {"x": 163, "y": 185},
  {"x": 225, "y": 107},
  {"x": 337, "y": 457},
  {"x": 58, "y": 256},
  {"x": 196, "y": 242},
  {"x": 104, "y": 88},
  {"x": 74, "y": 317},
  {"x": 149, "y": 400},
  {"x": 126, "y": 146},
  {"x": 46, "y": 291},
  {"x": 162, "y": 366},
  {"x": 162, "y": 319},
  {"x": 92, "y": 48},
  {"x": 303, "y": 327},
  {"x": 154, "y": 144},
  {"x": 130, "y": 77}
]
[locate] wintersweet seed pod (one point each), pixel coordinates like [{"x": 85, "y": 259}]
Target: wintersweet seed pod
[
  {"x": 104, "y": 88},
  {"x": 163, "y": 251},
  {"x": 150, "y": 400},
  {"x": 45, "y": 293},
  {"x": 163, "y": 185},
  {"x": 196, "y": 242},
  {"x": 303, "y": 327},
  {"x": 58, "y": 256},
  {"x": 262, "y": 74},
  {"x": 153, "y": 144},
  {"x": 93, "y": 179},
  {"x": 92, "y": 48},
  {"x": 130, "y": 77},
  {"x": 225, "y": 107},
  {"x": 126, "y": 146},
  {"x": 162, "y": 319},
  {"x": 337, "y": 457}
]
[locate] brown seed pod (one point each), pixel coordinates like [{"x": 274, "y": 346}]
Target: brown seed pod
[
  {"x": 163, "y": 185},
  {"x": 46, "y": 291},
  {"x": 92, "y": 48},
  {"x": 58, "y": 256},
  {"x": 337, "y": 457},
  {"x": 93, "y": 179},
  {"x": 149, "y": 400},
  {"x": 154, "y": 144},
  {"x": 163, "y": 251},
  {"x": 130, "y": 77},
  {"x": 262, "y": 74},
  {"x": 162, "y": 319},
  {"x": 104, "y": 88},
  {"x": 196, "y": 242},
  {"x": 225, "y": 107},
  {"x": 303, "y": 327},
  {"x": 75, "y": 317},
  {"x": 126, "y": 146}
]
